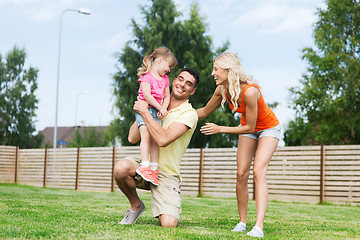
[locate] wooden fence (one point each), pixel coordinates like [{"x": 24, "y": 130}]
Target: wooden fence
[{"x": 303, "y": 174}]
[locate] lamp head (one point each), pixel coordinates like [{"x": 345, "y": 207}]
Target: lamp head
[{"x": 84, "y": 11}]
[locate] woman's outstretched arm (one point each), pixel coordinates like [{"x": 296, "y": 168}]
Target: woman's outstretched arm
[{"x": 213, "y": 103}]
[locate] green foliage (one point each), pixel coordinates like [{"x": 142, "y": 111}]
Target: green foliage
[
  {"x": 273, "y": 105},
  {"x": 90, "y": 137},
  {"x": 187, "y": 39},
  {"x": 327, "y": 103},
  {"x": 18, "y": 101},
  {"x": 45, "y": 213}
]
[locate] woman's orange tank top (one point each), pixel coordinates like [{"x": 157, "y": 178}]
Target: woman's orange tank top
[{"x": 265, "y": 117}]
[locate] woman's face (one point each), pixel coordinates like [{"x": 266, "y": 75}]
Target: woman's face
[{"x": 220, "y": 75}]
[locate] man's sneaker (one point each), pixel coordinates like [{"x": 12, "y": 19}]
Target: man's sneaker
[
  {"x": 131, "y": 216},
  {"x": 148, "y": 175},
  {"x": 256, "y": 232},
  {"x": 240, "y": 227}
]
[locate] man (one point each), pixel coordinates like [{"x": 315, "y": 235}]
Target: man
[{"x": 173, "y": 138}]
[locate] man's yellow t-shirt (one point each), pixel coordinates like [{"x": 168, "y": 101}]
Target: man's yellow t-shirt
[{"x": 170, "y": 156}]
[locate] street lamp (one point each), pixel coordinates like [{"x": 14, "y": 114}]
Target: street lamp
[
  {"x": 76, "y": 105},
  {"x": 82, "y": 11}
]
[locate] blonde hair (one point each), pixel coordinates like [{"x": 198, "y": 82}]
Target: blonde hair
[
  {"x": 236, "y": 75},
  {"x": 163, "y": 52}
]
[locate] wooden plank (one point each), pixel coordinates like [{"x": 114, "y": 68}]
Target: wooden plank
[
  {"x": 282, "y": 162},
  {"x": 348, "y": 168},
  {"x": 201, "y": 173},
  {"x": 294, "y": 168},
  {"x": 342, "y": 194},
  {"x": 342, "y": 147},
  {"x": 344, "y": 188},
  {"x": 297, "y": 148},
  {"x": 292, "y": 188},
  {"x": 113, "y": 168},
  {"x": 298, "y": 193},
  {"x": 293, "y": 182},
  {"x": 343, "y": 183},
  {"x": 16, "y": 164},
  {"x": 342, "y": 173},
  {"x": 342, "y": 162},
  {"x": 94, "y": 171},
  {"x": 294, "y": 173},
  {"x": 341, "y": 178}
]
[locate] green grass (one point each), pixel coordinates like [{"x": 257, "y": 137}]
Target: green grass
[{"x": 44, "y": 213}]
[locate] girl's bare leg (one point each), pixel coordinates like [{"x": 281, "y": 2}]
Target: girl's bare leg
[
  {"x": 154, "y": 151},
  {"x": 145, "y": 143}
]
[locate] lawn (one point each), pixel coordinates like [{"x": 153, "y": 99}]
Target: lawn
[{"x": 44, "y": 213}]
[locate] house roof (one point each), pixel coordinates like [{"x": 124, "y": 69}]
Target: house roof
[{"x": 64, "y": 133}]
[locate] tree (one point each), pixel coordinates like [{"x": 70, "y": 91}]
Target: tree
[
  {"x": 18, "y": 101},
  {"x": 188, "y": 41},
  {"x": 327, "y": 103}
]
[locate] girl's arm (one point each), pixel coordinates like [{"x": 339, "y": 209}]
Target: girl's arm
[
  {"x": 213, "y": 103},
  {"x": 146, "y": 89},
  {"x": 163, "y": 111},
  {"x": 251, "y": 97}
]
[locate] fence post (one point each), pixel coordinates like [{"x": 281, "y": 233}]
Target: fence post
[
  {"x": 16, "y": 163},
  {"x": 113, "y": 166},
  {"x": 201, "y": 170},
  {"x": 322, "y": 172},
  {"x": 45, "y": 166},
  {"x": 77, "y": 168}
]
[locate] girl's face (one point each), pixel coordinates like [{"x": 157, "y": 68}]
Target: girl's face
[
  {"x": 220, "y": 75},
  {"x": 164, "y": 66}
]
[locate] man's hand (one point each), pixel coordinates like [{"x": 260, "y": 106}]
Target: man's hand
[{"x": 140, "y": 106}]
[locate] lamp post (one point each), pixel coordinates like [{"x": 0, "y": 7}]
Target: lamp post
[
  {"x": 82, "y": 11},
  {"x": 76, "y": 105}
]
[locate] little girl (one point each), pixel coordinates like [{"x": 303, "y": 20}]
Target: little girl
[{"x": 154, "y": 89}]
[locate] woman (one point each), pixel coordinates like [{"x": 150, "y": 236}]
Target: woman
[{"x": 259, "y": 133}]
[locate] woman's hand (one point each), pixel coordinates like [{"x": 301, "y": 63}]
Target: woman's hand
[{"x": 210, "y": 128}]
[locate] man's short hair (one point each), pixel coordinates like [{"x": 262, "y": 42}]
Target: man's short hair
[{"x": 193, "y": 73}]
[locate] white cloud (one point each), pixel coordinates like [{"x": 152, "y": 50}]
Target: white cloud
[{"x": 273, "y": 18}]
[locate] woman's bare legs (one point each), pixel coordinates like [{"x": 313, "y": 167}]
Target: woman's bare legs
[
  {"x": 244, "y": 156},
  {"x": 264, "y": 152}
]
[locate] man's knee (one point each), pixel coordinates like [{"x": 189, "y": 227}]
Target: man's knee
[
  {"x": 123, "y": 169},
  {"x": 168, "y": 221}
]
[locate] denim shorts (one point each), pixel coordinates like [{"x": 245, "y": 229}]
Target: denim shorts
[
  {"x": 271, "y": 132},
  {"x": 153, "y": 111}
]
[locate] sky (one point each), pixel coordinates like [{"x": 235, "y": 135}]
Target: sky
[{"x": 267, "y": 35}]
